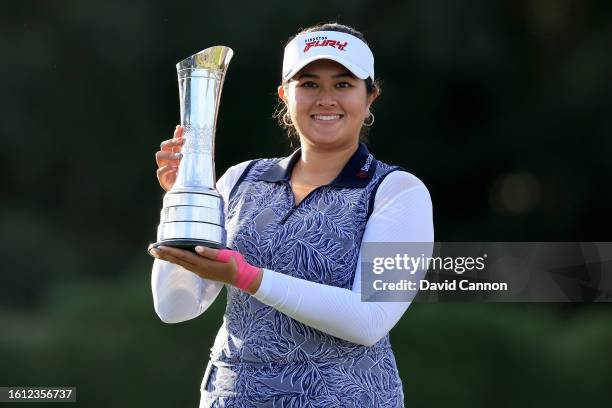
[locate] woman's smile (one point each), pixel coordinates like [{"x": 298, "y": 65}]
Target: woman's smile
[{"x": 327, "y": 118}]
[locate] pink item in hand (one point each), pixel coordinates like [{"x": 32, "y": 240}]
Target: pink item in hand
[{"x": 246, "y": 272}]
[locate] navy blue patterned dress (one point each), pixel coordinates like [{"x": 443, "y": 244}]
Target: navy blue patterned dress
[{"x": 262, "y": 357}]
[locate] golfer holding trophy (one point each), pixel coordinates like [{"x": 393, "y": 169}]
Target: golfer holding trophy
[{"x": 284, "y": 235}]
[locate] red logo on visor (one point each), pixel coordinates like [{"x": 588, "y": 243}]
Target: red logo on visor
[{"x": 326, "y": 43}]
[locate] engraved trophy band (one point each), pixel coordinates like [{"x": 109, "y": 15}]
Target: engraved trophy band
[{"x": 192, "y": 212}]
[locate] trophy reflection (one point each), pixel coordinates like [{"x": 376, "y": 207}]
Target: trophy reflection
[{"x": 192, "y": 212}]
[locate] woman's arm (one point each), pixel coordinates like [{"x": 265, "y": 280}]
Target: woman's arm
[
  {"x": 178, "y": 294},
  {"x": 402, "y": 213}
]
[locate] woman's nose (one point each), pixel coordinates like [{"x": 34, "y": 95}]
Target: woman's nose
[
  {"x": 326, "y": 98},
  {"x": 327, "y": 101}
]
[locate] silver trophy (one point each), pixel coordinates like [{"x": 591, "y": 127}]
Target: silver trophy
[{"x": 192, "y": 212}]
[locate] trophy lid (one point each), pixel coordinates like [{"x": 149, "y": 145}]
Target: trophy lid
[{"x": 213, "y": 58}]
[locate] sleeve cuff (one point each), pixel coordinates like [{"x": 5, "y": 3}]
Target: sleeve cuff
[{"x": 263, "y": 292}]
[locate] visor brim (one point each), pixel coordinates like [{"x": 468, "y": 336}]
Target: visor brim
[{"x": 355, "y": 70}]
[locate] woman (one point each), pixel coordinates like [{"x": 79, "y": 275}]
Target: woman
[{"x": 295, "y": 332}]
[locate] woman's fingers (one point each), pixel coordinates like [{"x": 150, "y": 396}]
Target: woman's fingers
[
  {"x": 199, "y": 265},
  {"x": 170, "y": 149},
  {"x": 167, "y": 176},
  {"x": 209, "y": 253},
  {"x": 178, "y": 137},
  {"x": 166, "y": 158},
  {"x": 171, "y": 144},
  {"x": 186, "y": 259},
  {"x": 174, "y": 144},
  {"x": 178, "y": 131},
  {"x": 169, "y": 168}
]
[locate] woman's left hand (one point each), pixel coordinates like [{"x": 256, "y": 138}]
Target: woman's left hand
[{"x": 230, "y": 267}]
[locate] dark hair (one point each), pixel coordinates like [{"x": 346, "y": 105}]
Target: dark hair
[{"x": 282, "y": 114}]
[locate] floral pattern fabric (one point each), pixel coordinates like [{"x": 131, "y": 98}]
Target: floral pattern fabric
[{"x": 262, "y": 357}]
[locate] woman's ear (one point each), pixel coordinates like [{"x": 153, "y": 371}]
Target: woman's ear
[
  {"x": 281, "y": 93},
  {"x": 372, "y": 97}
]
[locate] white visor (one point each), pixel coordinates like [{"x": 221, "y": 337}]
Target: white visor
[{"x": 345, "y": 49}]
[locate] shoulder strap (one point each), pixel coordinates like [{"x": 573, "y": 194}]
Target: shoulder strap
[{"x": 245, "y": 172}]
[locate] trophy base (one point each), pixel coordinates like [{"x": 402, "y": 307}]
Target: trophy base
[
  {"x": 190, "y": 218},
  {"x": 190, "y": 244}
]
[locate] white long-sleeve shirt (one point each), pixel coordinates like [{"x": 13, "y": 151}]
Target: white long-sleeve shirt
[{"x": 402, "y": 213}]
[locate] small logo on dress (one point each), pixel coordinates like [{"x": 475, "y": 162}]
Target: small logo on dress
[
  {"x": 367, "y": 163},
  {"x": 363, "y": 173}
]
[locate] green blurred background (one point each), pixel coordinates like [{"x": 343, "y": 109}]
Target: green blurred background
[{"x": 502, "y": 108}]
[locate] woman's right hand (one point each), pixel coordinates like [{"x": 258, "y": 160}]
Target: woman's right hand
[{"x": 168, "y": 159}]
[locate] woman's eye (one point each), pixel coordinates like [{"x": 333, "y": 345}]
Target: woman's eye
[
  {"x": 343, "y": 84},
  {"x": 309, "y": 84}
]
